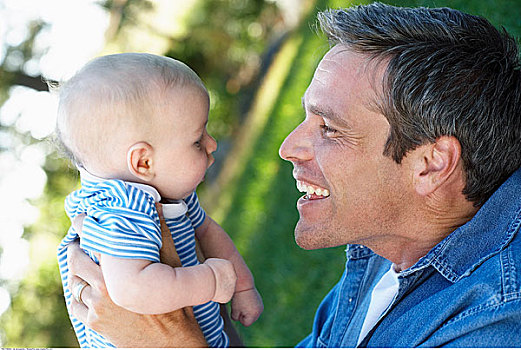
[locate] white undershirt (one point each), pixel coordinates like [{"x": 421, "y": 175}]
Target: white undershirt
[{"x": 382, "y": 296}]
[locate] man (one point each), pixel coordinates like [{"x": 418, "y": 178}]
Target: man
[
  {"x": 409, "y": 153},
  {"x": 413, "y": 122}
]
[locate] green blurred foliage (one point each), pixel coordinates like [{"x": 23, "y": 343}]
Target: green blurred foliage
[
  {"x": 224, "y": 45},
  {"x": 501, "y": 13},
  {"x": 38, "y": 317},
  {"x": 262, "y": 214},
  {"x": 230, "y": 43}
]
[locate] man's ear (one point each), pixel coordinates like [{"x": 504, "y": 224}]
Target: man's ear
[
  {"x": 436, "y": 163},
  {"x": 140, "y": 161}
]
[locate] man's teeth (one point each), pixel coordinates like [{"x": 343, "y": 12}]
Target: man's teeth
[{"x": 309, "y": 189}]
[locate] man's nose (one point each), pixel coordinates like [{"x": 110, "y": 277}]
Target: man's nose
[{"x": 298, "y": 145}]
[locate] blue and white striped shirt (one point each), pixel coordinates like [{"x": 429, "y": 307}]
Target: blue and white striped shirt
[{"x": 122, "y": 221}]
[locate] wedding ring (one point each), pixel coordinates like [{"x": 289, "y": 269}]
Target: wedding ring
[{"x": 78, "y": 289}]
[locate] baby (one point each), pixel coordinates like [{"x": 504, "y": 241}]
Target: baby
[{"x": 135, "y": 126}]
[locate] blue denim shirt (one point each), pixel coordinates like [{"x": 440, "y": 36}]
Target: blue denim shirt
[{"x": 466, "y": 292}]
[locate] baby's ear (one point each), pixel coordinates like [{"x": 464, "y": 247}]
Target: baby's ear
[{"x": 140, "y": 161}]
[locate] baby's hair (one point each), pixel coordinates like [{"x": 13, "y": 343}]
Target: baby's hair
[{"x": 123, "y": 87}]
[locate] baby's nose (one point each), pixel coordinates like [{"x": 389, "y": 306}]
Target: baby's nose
[
  {"x": 211, "y": 160},
  {"x": 211, "y": 145}
]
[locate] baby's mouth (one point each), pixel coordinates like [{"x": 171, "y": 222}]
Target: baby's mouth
[{"x": 312, "y": 191}]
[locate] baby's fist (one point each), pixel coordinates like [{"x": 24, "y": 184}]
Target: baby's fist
[
  {"x": 247, "y": 306},
  {"x": 225, "y": 279}
]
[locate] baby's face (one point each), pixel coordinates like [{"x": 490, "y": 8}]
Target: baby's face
[{"x": 182, "y": 147}]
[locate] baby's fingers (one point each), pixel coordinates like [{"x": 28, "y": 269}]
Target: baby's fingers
[
  {"x": 235, "y": 314},
  {"x": 245, "y": 319}
]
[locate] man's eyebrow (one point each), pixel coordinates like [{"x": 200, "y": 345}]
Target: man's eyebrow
[{"x": 325, "y": 113}]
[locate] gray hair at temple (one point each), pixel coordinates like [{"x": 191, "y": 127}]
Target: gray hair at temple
[{"x": 448, "y": 74}]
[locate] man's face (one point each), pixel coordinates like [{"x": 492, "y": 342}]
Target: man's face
[{"x": 353, "y": 191}]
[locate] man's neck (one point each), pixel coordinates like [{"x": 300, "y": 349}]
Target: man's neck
[{"x": 422, "y": 233}]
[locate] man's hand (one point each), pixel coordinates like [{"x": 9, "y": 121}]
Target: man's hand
[{"x": 120, "y": 326}]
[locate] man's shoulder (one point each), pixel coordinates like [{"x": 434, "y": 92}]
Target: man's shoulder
[
  {"x": 485, "y": 305},
  {"x": 492, "y": 230}
]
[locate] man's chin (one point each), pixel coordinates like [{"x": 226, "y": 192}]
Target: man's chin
[
  {"x": 309, "y": 240},
  {"x": 317, "y": 236}
]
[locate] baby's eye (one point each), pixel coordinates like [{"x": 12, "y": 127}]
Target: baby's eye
[{"x": 197, "y": 144}]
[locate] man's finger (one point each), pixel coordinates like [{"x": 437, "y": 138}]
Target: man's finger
[
  {"x": 86, "y": 292},
  {"x": 159, "y": 208},
  {"x": 79, "y": 310},
  {"x": 87, "y": 296},
  {"x": 81, "y": 265},
  {"x": 167, "y": 253},
  {"x": 77, "y": 223}
]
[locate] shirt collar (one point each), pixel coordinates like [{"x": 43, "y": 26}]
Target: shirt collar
[
  {"x": 357, "y": 251},
  {"x": 486, "y": 234},
  {"x": 171, "y": 209}
]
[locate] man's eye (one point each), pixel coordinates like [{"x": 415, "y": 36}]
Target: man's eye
[
  {"x": 327, "y": 130},
  {"x": 197, "y": 144}
]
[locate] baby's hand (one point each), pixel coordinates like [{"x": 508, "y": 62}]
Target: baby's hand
[
  {"x": 247, "y": 306},
  {"x": 225, "y": 279}
]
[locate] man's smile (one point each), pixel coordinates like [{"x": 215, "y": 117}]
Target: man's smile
[{"x": 312, "y": 191}]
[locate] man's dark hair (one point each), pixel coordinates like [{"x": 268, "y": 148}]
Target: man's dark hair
[{"x": 448, "y": 74}]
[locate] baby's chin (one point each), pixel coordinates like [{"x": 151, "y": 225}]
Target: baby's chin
[{"x": 173, "y": 197}]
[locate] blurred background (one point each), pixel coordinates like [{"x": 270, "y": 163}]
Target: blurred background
[{"x": 256, "y": 58}]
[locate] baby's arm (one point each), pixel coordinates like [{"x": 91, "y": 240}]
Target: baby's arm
[
  {"x": 154, "y": 288},
  {"x": 215, "y": 243}
]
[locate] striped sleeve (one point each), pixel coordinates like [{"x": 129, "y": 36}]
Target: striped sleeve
[
  {"x": 120, "y": 221},
  {"x": 118, "y": 233},
  {"x": 195, "y": 211}
]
